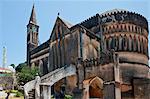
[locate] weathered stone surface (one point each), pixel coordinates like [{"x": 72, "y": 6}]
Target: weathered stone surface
[{"x": 90, "y": 47}]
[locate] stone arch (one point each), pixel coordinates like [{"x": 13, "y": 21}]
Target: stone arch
[
  {"x": 48, "y": 80},
  {"x": 93, "y": 88}
]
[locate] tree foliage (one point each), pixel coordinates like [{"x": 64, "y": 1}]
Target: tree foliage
[
  {"x": 20, "y": 66},
  {"x": 27, "y": 74},
  {"x": 12, "y": 65}
]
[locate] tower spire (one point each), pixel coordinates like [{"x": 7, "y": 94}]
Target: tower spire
[
  {"x": 4, "y": 57},
  {"x": 33, "y": 16}
]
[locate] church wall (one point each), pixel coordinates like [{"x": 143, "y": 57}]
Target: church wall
[
  {"x": 67, "y": 47},
  {"x": 90, "y": 47},
  {"x": 141, "y": 88},
  {"x": 129, "y": 71}
]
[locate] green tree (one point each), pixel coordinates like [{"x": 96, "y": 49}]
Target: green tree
[
  {"x": 20, "y": 66},
  {"x": 12, "y": 65},
  {"x": 27, "y": 74}
]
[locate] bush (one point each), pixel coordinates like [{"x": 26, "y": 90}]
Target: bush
[
  {"x": 68, "y": 97},
  {"x": 27, "y": 74},
  {"x": 13, "y": 91},
  {"x": 18, "y": 94}
]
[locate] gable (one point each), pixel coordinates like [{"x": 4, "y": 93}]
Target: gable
[{"x": 60, "y": 29}]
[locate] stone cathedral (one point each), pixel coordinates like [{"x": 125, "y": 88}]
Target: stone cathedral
[{"x": 104, "y": 57}]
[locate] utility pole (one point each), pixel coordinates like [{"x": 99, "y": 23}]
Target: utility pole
[{"x": 4, "y": 57}]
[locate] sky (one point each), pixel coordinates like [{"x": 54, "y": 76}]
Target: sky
[{"x": 14, "y": 16}]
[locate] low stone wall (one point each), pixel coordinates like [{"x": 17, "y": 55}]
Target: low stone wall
[{"x": 6, "y": 82}]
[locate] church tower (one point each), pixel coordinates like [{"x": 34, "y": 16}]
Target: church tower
[{"x": 32, "y": 34}]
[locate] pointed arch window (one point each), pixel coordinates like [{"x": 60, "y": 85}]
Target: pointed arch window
[{"x": 113, "y": 43}]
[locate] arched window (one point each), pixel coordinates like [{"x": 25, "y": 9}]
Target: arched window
[
  {"x": 113, "y": 43},
  {"x": 125, "y": 28},
  {"x": 132, "y": 28},
  {"x": 120, "y": 43},
  {"x": 136, "y": 29},
  {"x": 107, "y": 43},
  {"x": 117, "y": 43},
  {"x": 135, "y": 44},
  {"x": 117, "y": 28},
  {"x": 130, "y": 43},
  {"x": 123, "y": 43},
  {"x": 141, "y": 46},
  {"x": 138, "y": 46},
  {"x": 120, "y": 28},
  {"x": 129, "y": 28},
  {"x": 110, "y": 40}
]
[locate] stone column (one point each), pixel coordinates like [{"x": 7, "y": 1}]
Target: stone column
[
  {"x": 80, "y": 73},
  {"x": 78, "y": 91},
  {"x": 46, "y": 92},
  {"x": 117, "y": 76},
  {"x": 37, "y": 87},
  {"x": 86, "y": 91},
  {"x": 112, "y": 88}
]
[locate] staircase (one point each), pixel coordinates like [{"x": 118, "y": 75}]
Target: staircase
[{"x": 32, "y": 94}]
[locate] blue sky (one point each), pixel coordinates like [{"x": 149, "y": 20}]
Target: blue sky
[{"x": 14, "y": 16}]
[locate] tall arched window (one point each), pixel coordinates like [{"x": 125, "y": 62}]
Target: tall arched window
[
  {"x": 129, "y": 28},
  {"x": 135, "y": 44},
  {"x": 141, "y": 46},
  {"x": 107, "y": 43},
  {"x": 120, "y": 43},
  {"x": 138, "y": 46},
  {"x": 130, "y": 43},
  {"x": 110, "y": 40},
  {"x": 125, "y": 43},
  {"x": 113, "y": 43},
  {"x": 117, "y": 43}
]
